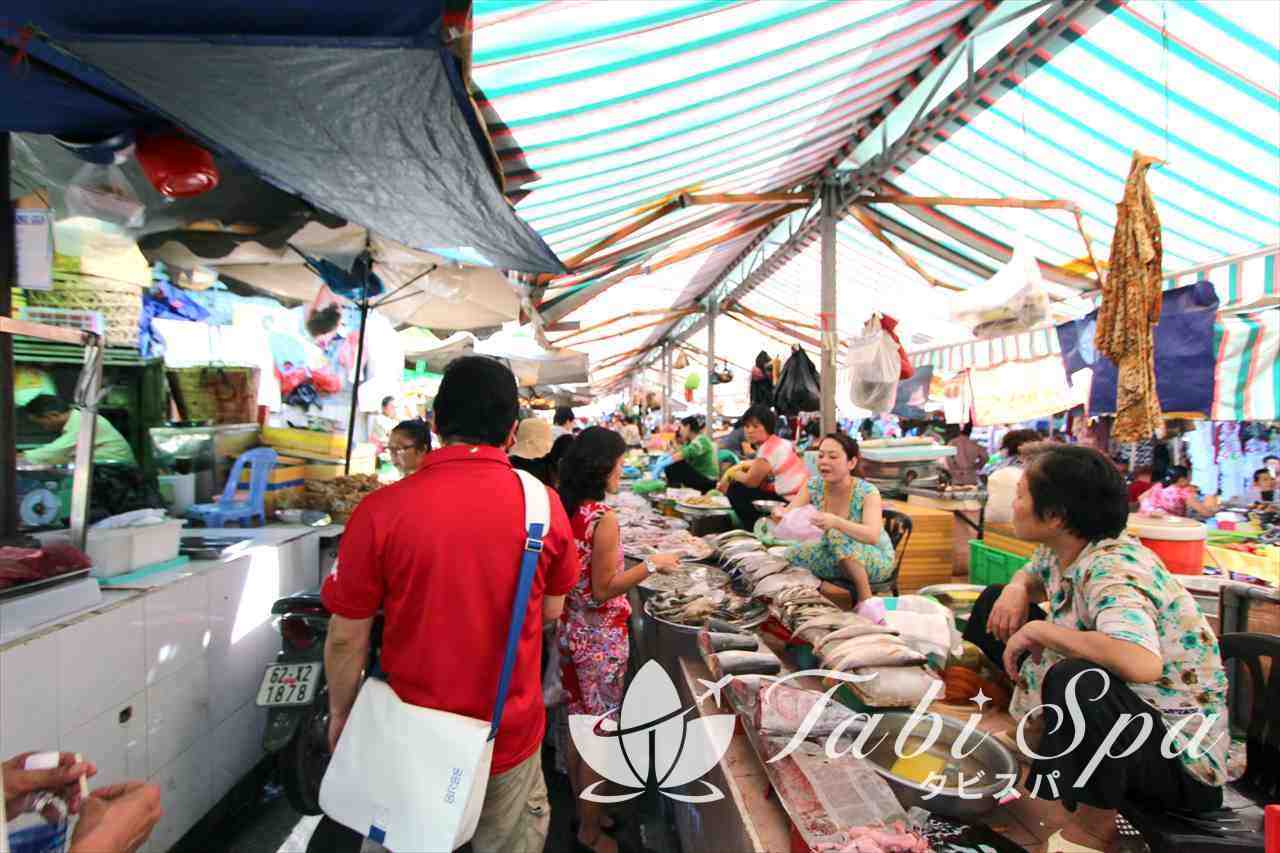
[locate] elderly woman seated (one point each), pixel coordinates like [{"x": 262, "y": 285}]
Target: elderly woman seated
[{"x": 1119, "y": 661}]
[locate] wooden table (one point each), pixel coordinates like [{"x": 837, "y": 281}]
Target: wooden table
[{"x": 928, "y": 558}]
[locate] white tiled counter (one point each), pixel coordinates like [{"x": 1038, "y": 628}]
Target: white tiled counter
[{"x": 158, "y": 681}]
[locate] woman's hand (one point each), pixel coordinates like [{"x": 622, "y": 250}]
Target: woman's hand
[
  {"x": 63, "y": 780},
  {"x": 665, "y": 563},
  {"x": 1009, "y": 613},
  {"x": 779, "y": 512},
  {"x": 1025, "y": 641},
  {"x": 825, "y": 521},
  {"x": 118, "y": 818}
]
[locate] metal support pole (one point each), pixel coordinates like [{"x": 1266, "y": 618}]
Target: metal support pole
[
  {"x": 87, "y": 395},
  {"x": 355, "y": 386},
  {"x": 8, "y": 431},
  {"x": 711, "y": 360},
  {"x": 666, "y": 383},
  {"x": 830, "y": 333}
]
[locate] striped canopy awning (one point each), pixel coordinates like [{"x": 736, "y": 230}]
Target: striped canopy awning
[{"x": 621, "y": 106}]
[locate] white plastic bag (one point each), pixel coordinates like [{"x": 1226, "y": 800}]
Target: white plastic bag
[
  {"x": 1012, "y": 300},
  {"x": 874, "y": 368},
  {"x": 103, "y": 192},
  {"x": 797, "y": 525}
]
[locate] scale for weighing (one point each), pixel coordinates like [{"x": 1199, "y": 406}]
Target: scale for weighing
[
  {"x": 898, "y": 464},
  {"x": 44, "y": 495}
]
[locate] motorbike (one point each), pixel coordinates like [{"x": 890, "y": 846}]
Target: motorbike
[{"x": 296, "y": 694}]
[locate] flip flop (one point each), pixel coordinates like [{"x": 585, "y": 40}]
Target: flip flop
[{"x": 1058, "y": 844}]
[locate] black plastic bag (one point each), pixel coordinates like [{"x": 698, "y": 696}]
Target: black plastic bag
[
  {"x": 762, "y": 381},
  {"x": 799, "y": 389}
]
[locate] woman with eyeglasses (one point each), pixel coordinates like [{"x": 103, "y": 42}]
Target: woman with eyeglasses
[{"x": 408, "y": 444}]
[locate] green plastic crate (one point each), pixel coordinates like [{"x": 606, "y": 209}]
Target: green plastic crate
[{"x": 989, "y": 565}]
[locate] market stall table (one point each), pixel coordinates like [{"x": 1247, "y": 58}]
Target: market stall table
[{"x": 158, "y": 680}]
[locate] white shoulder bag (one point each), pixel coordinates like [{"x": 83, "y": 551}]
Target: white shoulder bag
[{"x": 413, "y": 778}]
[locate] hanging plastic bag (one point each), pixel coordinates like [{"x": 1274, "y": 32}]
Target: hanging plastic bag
[
  {"x": 799, "y": 389},
  {"x": 681, "y": 362},
  {"x": 797, "y": 525},
  {"x": 103, "y": 192},
  {"x": 1013, "y": 300},
  {"x": 890, "y": 326},
  {"x": 874, "y": 368}
]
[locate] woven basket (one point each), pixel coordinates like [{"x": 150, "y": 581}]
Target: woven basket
[{"x": 119, "y": 302}]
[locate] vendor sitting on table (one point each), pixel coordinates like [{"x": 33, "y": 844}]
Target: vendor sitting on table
[
  {"x": 776, "y": 472},
  {"x": 55, "y": 414},
  {"x": 854, "y": 551},
  {"x": 695, "y": 463},
  {"x": 1121, "y": 639}
]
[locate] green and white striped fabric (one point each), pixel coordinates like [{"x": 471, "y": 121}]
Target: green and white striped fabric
[{"x": 1247, "y": 384}]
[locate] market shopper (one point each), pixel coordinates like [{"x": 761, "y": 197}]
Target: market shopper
[
  {"x": 1126, "y": 629},
  {"x": 854, "y": 551},
  {"x": 383, "y": 423},
  {"x": 532, "y": 449},
  {"x": 1263, "y": 489},
  {"x": 776, "y": 473},
  {"x": 969, "y": 458},
  {"x": 695, "y": 463},
  {"x": 408, "y": 444},
  {"x": 445, "y": 590},
  {"x": 562, "y": 422},
  {"x": 594, "y": 626},
  {"x": 631, "y": 431},
  {"x": 1141, "y": 484},
  {"x": 1010, "y": 448},
  {"x": 1174, "y": 495},
  {"x": 56, "y": 415}
]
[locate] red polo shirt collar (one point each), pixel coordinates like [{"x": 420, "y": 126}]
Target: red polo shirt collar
[{"x": 464, "y": 453}]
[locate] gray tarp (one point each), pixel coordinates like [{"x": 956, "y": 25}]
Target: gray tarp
[{"x": 374, "y": 135}]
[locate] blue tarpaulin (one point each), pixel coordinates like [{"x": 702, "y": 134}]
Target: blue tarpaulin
[
  {"x": 359, "y": 109},
  {"x": 1184, "y": 353}
]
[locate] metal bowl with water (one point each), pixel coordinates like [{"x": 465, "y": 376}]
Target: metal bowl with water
[{"x": 992, "y": 758}]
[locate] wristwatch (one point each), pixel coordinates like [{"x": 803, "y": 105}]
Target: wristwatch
[{"x": 650, "y": 567}]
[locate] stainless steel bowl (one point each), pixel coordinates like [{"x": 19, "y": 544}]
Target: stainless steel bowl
[
  {"x": 767, "y": 507},
  {"x": 992, "y": 757}
]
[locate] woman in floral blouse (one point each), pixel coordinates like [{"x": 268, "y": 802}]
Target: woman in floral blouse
[
  {"x": 593, "y": 627},
  {"x": 1119, "y": 636}
]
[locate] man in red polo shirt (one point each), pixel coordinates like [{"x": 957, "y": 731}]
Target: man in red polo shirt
[{"x": 439, "y": 553}]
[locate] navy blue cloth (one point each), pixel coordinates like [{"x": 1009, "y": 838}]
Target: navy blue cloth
[{"x": 1183, "y": 346}]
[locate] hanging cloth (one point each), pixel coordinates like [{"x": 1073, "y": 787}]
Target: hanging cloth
[{"x": 1131, "y": 299}]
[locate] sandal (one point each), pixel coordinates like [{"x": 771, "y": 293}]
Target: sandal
[{"x": 1057, "y": 843}]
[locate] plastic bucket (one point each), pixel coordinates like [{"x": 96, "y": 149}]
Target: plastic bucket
[{"x": 1178, "y": 542}]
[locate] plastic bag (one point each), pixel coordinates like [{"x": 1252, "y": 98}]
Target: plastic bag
[
  {"x": 1012, "y": 300},
  {"x": 799, "y": 389},
  {"x": 797, "y": 525},
  {"x": 103, "y": 192},
  {"x": 874, "y": 368}
]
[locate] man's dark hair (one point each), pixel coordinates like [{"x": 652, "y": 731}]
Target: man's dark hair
[
  {"x": 694, "y": 422},
  {"x": 46, "y": 404},
  {"x": 477, "y": 402},
  {"x": 416, "y": 431},
  {"x": 324, "y": 321},
  {"x": 762, "y": 415},
  {"x": 1014, "y": 439},
  {"x": 585, "y": 468},
  {"x": 387, "y": 399},
  {"x": 1081, "y": 487},
  {"x": 1258, "y": 475},
  {"x": 563, "y": 415}
]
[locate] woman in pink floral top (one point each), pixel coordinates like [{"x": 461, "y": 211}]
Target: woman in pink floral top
[
  {"x": 593, "y": 628},
  {"x": 1175, "y": 495}
]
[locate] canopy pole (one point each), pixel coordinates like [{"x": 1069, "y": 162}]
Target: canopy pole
[
  {"x": 830, "y": 334},
  {"x": 666, "y": 383},
  {"x": 355, "y": 386},
  {"x": 8, "y": 430},
  {"x": 711, "y": 360}
]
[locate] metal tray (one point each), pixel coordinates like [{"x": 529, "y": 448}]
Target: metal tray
[
  {"x": 44, "y": 583},
  {"x": 746, "y": 624}
]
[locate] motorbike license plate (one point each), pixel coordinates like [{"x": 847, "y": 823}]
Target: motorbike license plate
[{"x": 289, "y": 684}]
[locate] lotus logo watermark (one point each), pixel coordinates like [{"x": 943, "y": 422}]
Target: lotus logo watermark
[{"x": 652, "y": 744}]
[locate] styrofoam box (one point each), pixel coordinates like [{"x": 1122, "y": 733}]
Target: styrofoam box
[{"x": 116, "y": 552}]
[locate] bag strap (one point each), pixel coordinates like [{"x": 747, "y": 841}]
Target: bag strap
[{"x": 537, "y": 519}]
